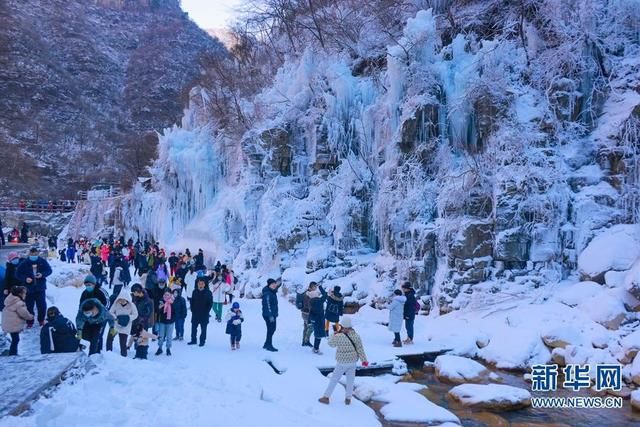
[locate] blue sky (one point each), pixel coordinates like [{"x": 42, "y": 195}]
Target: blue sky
[{"x": 211, "y": 13}]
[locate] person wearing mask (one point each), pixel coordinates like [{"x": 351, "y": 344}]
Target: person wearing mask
[
  {"x": 93, "y": 290},
  {"x": 10, "y": 279},
  {"x": 59, "y": 334},
  {"x": 410, "y": 310},
  {"x": 33, "y": 273},
  {"x": 349, "y": 350},
  {"x": 144, "y": 305},
  {"x": 91, "y": 321},
  {"x": 201, "y": 304},
  {"x": 270, "y": 311}
]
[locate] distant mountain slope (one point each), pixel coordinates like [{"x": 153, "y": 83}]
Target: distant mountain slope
[{"x": 84, "y": 86}]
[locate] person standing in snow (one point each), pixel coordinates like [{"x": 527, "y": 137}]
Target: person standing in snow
[
  {"x": 93, "y": 290},
  {"x": 180, "y": 309},
  {"x": 24, "y": 233},
  {"x": 234, "y": 321},
  {"x": 173, "y": 264},
  {"x": 409, "y": 310},
  {"x": 33, "y": 272},
  {"x": 124, "y": 312},
  {"x": 316, "y": 316},
  {"x": 201, "y": 303},
  {"x": 270, "y": 311},
  {"x": 219, "y": 288},
  {"x": 58, "y": 335},
  {"x": 166, "y": 322},
  {"x": 335, "y": 307},
  {"x": 144, "y": 305},
  {"x": 91, "y": 321},
  {"x": 15, "y": 316},
  {"x": 304, "y": 311},
  {"x": 349, "y": 350},
  {"x": 396, "y": 315},
  {"x": 10, "y": 279}
]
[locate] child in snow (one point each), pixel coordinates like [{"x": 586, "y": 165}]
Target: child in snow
[
  {"x": 166, "y": 320},
  {"x": 15, "y": 316},
  {"x": 58, "y": 335},
  {"x": 91, "y": 321},
  {"x": 141, "y": 338},
  {"x": 396, "y": 316},
  {"x": 180, "y": 311},
  {"x": 234, "y": 325}
]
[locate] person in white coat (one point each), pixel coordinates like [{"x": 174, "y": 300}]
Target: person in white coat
[
  {"x": 396, "y": 316},
  {"x": 219, "y": 289},
  {"x": 125, "y": 312}
]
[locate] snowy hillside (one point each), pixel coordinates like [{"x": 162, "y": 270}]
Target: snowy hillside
[{"x": 472, "y": 148}]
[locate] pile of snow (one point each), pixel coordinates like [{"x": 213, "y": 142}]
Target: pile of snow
[
  {"x": 403, "y": 403},
  {"x": 458, "y": 369},
  {"x": 614, "y": 249},
  {"x": 491, "y": 396}
]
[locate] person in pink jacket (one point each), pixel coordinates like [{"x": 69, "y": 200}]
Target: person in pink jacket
[
  {"x": 15, "y": 316},
  {"x": 104, "y": 253}
]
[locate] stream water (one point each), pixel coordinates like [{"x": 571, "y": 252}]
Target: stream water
[{"x": 436, "y": 392}]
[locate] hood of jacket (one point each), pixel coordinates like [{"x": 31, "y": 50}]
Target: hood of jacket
[
  {"x": 400, "y": 298},
  {"x": 125, "y": 295},
  {"x": 12, "y": 300}
]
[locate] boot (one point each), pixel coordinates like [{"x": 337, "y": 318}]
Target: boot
[
  {"x": 347, "y": 401},
  {"x": 408, "y": 341},
  {"x": 237, "y": 346},
  {"x": 317, "y": 351},
  {"x": 307, "y": 344},
  {"x": 191, "y": 343},
  {"x": 324, "y": 400},
  {"x": 41, "y": 323},
  {"x": 168, "y": 352},
  {"x": 159, "y": 352},
  {"x": 397, "y": 344},
  {"x": 201, "y": 344},
  {"x": 233, "y": 346}
]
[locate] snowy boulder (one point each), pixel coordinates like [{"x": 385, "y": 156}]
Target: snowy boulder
[
  {"x": 635, "y": 400},
  {"x": 615, "y": 279},
  {"x": 561, "y": 336},
  {"x": 614, "y": 249},
  {"x": 557, "y": 356},
  {"x": 456, "y": 369},
  {"x": 632, "y": 280},
  {"x": 472, "y": 240},
  {"x": 606, "y": 309},
  {"x": 515, "y": 348},
  {"x": 496, "y": 397},
  {"x": 635, "y": 370}
]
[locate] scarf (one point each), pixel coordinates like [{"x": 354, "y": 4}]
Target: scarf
[{"x": 168, "y": 301}]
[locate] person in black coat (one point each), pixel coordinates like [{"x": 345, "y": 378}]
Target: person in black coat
[
  {"x": 58, "y": 335},
  {"x": 24, "y": 233},
  {"x": 270, "y": 311},
  {"x": 144, "y": 304},
  {"x": 409, "y": 311},
  {"x": 201, "y": 304},
  {"x": 97, "y": 269},
  {"x": 335, "y": 309},
  {"x": 10, "y": 279},
  {"x": 180, "y": 310},
  {"x": 316, "y": 316},
  {"x": 33, "y": 273},
  {"x": 93, "y": 290}
]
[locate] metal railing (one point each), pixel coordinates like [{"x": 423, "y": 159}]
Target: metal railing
[
  {"x": 40, "y": 206},
  {"x": 100, "y": 194}
]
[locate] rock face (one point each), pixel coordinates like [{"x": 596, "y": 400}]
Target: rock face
[
  {"x": 495, "y": 397},
  {"x": 86, "y": 84}
]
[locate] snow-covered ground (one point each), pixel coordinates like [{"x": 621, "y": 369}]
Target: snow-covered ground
[{"x": 216, "y": 386}]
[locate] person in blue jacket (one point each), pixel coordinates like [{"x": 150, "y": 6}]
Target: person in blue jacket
[
  {"x": 270, "y": 311},
  {"x": 33, "y": 273},
  {"x": 91, "y": 321},
  {"x": 58, "y": 335}
]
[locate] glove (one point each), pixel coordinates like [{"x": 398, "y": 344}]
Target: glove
[
  {"x": 365, "y": 363},
  {"x": 113, "y": 332},
  {"x": 79, "y": 335},
  {"x": 272, "y": 319}
]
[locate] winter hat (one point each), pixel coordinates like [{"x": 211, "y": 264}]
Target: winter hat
[
  {"x": 336, "y": 290},
  {"x": 136, "y": 287},
  {"x": 269, "y": 281},
  {"x": 406, "y": 285},
  {"x": 90, "y": 279},
  {"x": 33, "y": 250},
  {"x": 346, "y": 322},
  {"x": 235, "y": 306},
  {"x": 12, "y": 256}
]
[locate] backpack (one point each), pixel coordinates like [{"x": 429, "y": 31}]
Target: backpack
[{"x": 299, "y": 300}]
